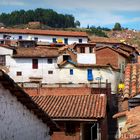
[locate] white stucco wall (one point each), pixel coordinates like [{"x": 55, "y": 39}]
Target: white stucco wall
[
  {"x": 88, "y": 58},
  {"x": 80, "y": 76},
  {"x": 45, "y": 38},
  {"x": 17, "y": 122},
  {"x": 24, "y": 65},
  {"x": 121, "y": 124}
]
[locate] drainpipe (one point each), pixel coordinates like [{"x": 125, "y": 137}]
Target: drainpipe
[
  {"x": 98, "y": 132},
  {"x": 92, "y": 131}
]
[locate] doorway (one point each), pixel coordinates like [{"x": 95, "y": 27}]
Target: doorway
[{"x": 89, "y": 131}]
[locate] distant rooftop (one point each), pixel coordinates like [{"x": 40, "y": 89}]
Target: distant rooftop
[{"x": 44, "y": 32}]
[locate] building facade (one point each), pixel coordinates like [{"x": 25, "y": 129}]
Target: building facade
[{"x": 50, "y": 36}]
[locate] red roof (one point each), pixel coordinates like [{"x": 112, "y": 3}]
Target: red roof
[
  {"x": 105, "y": 40},
  {"x": 39, "y": 51},
  {"x": 132, "y": 80},
  {"x": 44, "y": 32},
  {"x": 131, "y": 130},
  {"x": 73, "y": 106}
]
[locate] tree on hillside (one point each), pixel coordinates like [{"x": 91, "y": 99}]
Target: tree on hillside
[
  {"x": 77, "y": 23},
  {"x": 117, "y": 27},
  {"x": 45, "y": 16},
  {"x": 97, "y": 32}
]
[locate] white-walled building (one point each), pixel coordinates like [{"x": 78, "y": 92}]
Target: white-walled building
[
  {"x": 20, "y": 116},
  {"x": 84, "y": 63},
  {"x": 50, "y": 36},
  {"x": 30, "y": 64},
  {"x": 78, "y": 63},
  {"x": 89, "y": 74}
]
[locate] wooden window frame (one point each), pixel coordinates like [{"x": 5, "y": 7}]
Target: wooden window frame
[
  {"x": 50, "y": 72},
  {"x": 82, "y": 49},
  {"x": 34, "y": 63},
  {"x": 2, "y": 60},
  {"x": 50, "y": 60},
  {"x": 19, "y": 73}
]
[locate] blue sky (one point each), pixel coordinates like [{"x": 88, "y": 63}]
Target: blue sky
[{"x": 103, "y": 13}]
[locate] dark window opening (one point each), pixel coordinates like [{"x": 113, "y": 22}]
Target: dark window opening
[
  {"x": 65, "y": 57},
  {"x": 50, "y": 61},
  {"x": 80, "y": 40},
  {"x": 2, "y": 60},
  {"x": 20, "y": 37},
  {"x": 89, "y": 131},
  {"x": 19, "y": 73},
  {"x": 54, "y": 40},
  {"x": 2, "y": 42},
  {"x": 70, "y": 128},
  {"x": 36, "y": 39},
  {"x": 71, "y": 71},
  {"x": 82, "y": 50},
  {"x": 50, "y": 72},
  {"x": 90, "y": 50},
  {"x": 6, "y": 36},
  {"x": 35, "y": 63},
  {"x": 66, "y": 40}
]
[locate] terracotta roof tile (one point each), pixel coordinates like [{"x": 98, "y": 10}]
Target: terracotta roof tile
[
  {"x": 131, "y": 130},
  {"x": 73, "y": 106},
  {"x": 132, "y": 80},
  {"x": 118, "y": 50},
  {"x": 39, "y": 51},
  {"x": 45, "y": 32},
  {"x": 104, "y": 40},
  {"x": 119, "y": 114}
]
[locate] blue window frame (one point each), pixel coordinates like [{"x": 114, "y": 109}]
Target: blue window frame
[
  {"x": 71, "y": 71},
  {"x": 66, "y": 40},
  {"x": 54, "y": 40},
  {"x": 20, "y": 37},
  {"x": 89, "y": 75}
]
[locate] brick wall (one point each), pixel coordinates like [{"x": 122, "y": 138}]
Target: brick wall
[
  {"x": 58, "y": 91},
  {"x": 107, "y": 56},
  {"x": 62, "y": 136}
]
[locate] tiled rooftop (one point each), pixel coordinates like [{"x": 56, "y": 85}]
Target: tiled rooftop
[
  {"x": 131, "y": 130},
  {"x": 104, "y": 40},
  {"x": 44, "y": 32},
  {"x": 39, "y": 51},
  {"x": 132, "y": 80},
  {"x": 73, "y": 106}
]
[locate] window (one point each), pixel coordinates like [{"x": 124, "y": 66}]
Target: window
[
  {"x": 36, "y": 39},
  {"x": 70, "y": 128},
  {"x": 50, "y": 61},
  {"x": 2, "y": 60},
  {"x": 19, "y": 73},
  {"x": 35, "y": 63},
  {"x": 20, "y": 37},
  {"x": 89, "y": 75},
  {"x": 50, "y": 72},
  {"x": 80, "y": 40},
  {"x": 90, "y": 50},
  {"x": 82, "y": 50},
  {"x": 65, "y": 57},
  {"x": 6, "y": 36},
  {"x": 54, "y": 40},
  {"x": 66, "y": 40},
  {"x": 71, "y": 71}
]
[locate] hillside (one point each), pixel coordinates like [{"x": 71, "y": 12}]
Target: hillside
[{"x": 131, "y": 37}]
